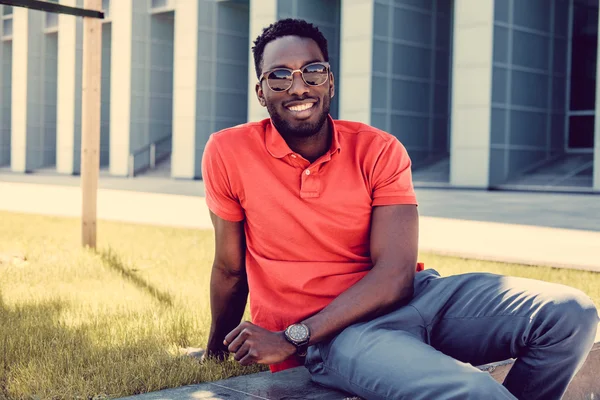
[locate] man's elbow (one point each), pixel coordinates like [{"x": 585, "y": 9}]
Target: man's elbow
[
  {"x": 230, "y": 275},
  {"x": 399, "y": 291},
  {"x": 229, "y": 268}
]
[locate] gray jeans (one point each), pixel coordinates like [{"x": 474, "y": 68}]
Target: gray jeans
[{"x": 428, "y": 348}]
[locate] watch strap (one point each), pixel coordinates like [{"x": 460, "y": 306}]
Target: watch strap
[{"x": 302, "y": 349}]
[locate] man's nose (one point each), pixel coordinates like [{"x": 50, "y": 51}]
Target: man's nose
[{"x": 299, "y": 87}]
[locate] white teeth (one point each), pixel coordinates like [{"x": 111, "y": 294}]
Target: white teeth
[{"x": 301, "y": 107}]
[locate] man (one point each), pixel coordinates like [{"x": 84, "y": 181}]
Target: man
[{"x": 317, "y": 221}]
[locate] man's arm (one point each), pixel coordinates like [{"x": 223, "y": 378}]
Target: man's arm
[
  {"x": 228, "y": 285},
  {"x": 394, "y": 250}
]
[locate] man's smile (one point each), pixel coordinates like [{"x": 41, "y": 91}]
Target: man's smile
[{"x": 301, "y": 109}]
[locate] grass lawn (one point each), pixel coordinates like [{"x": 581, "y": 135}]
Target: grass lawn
[{"x": 79, "y": 324}]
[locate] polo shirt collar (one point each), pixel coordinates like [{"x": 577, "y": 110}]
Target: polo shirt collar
[{"x": 278, "y": 147}]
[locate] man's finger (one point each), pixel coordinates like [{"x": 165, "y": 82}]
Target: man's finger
[
  {"x": 250, "y": 358},
  {"x": 233, "y": 334},
  {"x": 235, "y": 345},
  {"x": 242, "y": 351}
]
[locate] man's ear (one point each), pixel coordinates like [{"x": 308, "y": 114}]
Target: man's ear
[
  {"x": 331, "y": 85},
  {"x": 260, "y": 95}
]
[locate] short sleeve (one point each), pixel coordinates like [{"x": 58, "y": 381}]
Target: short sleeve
[
  {"x": 220, "y": 197},
  {"x": 392, "y": 176}
]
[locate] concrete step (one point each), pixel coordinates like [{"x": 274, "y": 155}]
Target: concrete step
[{"x": 295, "y": 383}]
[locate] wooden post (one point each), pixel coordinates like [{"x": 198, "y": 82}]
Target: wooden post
[{"x": 90, "y": 122}]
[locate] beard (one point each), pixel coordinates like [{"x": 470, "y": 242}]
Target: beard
[{"x": 302, "y": 129}]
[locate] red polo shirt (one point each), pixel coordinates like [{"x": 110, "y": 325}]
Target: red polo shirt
[{"x": 307, "y": 224}]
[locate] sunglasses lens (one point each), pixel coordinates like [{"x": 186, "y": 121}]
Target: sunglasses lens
[
  {"x": 315, "y": 74},
  {"x": 280, "y": 80}
]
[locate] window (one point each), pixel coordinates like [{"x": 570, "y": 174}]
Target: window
[
  {"x": 106, "y": 8},
  {"x": 159, "y": 3},
  {"x": 161, "y": 6},
  {"x": 7, "y": 27},
  {"x": 7, "y": 22},
  {"x": 584, "y": 47},
  {"x": 51, "y": 20}
]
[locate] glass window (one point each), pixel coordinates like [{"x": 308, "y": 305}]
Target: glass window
[
  {"x": 51, "y": 20},
  {"x": 106, "y": 8},
  {"x": 584, "y": 44},
  {"x": 584, "y": 48},
  {"x": 581, "y": 131},
  {"x": 7, "y": 10},
  {"x": 7, "y": 27},
  {"x": 159, "y": 3}
]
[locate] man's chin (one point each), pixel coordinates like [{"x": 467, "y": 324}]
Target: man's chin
[{"x": 299, "y": 130}]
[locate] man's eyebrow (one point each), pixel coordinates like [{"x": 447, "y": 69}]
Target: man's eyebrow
[{"x": 285, "y": 66}]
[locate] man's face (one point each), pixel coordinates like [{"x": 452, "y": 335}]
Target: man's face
[{"x": 288, "y": 108}]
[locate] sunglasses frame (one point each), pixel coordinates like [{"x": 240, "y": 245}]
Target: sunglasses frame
[{"x": 293, "y": 71}]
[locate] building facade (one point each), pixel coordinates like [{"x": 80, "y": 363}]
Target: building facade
[{"x": 483, "y": 93}]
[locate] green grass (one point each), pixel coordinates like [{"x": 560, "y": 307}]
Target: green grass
[{"x": 81, "y": 324}]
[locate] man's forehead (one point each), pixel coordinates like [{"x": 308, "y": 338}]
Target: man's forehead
[{"x": 291, "y": 52}]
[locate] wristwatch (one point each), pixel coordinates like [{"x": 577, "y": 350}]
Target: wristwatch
[{"x": 299, "y": 336}]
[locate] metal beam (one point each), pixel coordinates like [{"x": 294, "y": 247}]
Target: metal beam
[{"x": 53, "y": 8}]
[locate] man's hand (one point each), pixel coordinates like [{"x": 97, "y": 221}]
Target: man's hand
[{"x": 252, "y": 344}]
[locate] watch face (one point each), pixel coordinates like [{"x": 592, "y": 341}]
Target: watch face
[{"x": 298, "y": 332}]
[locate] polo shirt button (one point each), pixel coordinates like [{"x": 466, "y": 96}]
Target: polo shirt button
[
  {"x": 293, "y": 156},
  {"x": 307, "y": 172}
]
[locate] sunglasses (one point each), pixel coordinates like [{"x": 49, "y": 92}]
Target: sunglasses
[{"x": 281, "y": 79}]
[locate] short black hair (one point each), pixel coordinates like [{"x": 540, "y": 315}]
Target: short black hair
[{"x": 287, "y": 27}]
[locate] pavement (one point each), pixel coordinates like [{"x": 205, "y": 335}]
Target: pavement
[{"x": 553, "y": 229}]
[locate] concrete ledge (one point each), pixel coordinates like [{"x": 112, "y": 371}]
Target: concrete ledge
[{"x": 296, "y": 384}]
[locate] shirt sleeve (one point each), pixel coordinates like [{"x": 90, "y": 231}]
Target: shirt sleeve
[
  {"x": 392, "y": 177},
  {"x": 220, "y": 198}
]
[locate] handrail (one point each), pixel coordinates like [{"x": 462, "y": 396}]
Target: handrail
[{"x": 149, "y": 147}]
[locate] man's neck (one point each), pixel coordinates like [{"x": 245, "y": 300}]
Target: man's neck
[{"x": 312, "y": 147}]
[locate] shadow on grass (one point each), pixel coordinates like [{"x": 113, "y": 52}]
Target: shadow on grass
[
  {"x": 113, "y": 261},
  {"x": 44, "y": 355},
  {"x": 43, "y": 358},
  {"x": 33, "y": 343}
]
